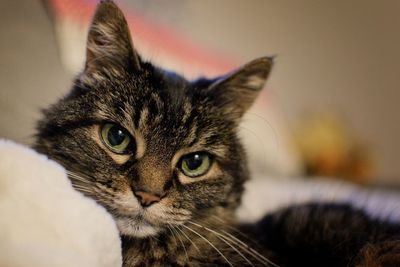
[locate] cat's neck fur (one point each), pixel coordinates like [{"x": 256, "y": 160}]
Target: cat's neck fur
[{"x": 189, "y": 245}]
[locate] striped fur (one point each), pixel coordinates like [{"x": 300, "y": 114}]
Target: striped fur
[{"x": 167, "y": 117}]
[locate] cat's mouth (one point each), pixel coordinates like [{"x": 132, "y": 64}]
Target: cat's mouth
[{"x": 136, "y": 221}]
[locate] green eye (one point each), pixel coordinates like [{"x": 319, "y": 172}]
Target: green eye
[
  {"x": 116, "y": 138},
  {"x": 195, "y": 164}
]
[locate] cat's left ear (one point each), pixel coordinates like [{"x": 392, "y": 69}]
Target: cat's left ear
[
  {"x": 109, "y": 50},
  {"x": 237, "y": 91}
]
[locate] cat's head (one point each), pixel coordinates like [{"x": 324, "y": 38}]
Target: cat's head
[{"x": 151, "y": 147}]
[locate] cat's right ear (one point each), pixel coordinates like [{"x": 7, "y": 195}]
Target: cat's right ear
[
  {"x": 109, "y": 51},
  {"x": 235, "y": 92}
]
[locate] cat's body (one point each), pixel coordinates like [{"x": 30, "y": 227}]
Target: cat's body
[
  {"x": 326, "y": 235},
  {"x": 162, "y": 155}
]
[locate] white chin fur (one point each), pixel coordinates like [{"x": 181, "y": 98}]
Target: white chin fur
[{"x": 136, "y": 228}]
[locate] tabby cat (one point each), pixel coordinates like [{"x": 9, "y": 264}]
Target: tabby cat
[{"x": 162, "y": 155}]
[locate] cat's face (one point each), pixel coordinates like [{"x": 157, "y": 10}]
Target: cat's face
[{"x": 154, "y": 149}]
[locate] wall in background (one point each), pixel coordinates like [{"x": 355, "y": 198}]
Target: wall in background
[{"x": 332, "y": 55}]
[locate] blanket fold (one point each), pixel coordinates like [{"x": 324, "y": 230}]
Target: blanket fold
[{"x": 44, "y": 221}]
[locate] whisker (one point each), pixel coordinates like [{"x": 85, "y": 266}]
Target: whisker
[
  {"x": 78, "y": 181},
  {"x": 254, "y": 253},
  {"x": 81, "y": 176},
  {"x": 251, "y": 251},
  {"x": 155, "y": 238},
  {"x": 211, "y": 244},
  {"x": 83, "y": 186},
  {"x": 70, "y": 173},
  {"x": 188, "y": 238},
  {"x": 234, "y": 229},
  {"x": 75, "y": 179},
  {"x": 83, "y": 190},
  {"x": 173, "y": 235},
  {"x": 180, "y": 239},
  {"x": 221, "y": 237}
]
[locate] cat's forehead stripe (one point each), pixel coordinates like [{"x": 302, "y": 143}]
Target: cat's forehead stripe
[
  {"x": 187, "y": 109},
  {"x": 143, "y": 118},
  {"x": 127, "y": 112}
]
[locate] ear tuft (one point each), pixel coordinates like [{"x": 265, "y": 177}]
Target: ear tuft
[
  {"x": 239, "y": 89},
  {"x": 253, "y": 75},
  {"x": 109, "y": 48}
]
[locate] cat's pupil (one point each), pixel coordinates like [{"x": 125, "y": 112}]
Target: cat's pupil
[
  {"x": 194, "y": 161},
  {"x": 115, "y": 136}
]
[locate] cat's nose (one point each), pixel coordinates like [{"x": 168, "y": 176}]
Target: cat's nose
[{"x": 145, "y": 198}]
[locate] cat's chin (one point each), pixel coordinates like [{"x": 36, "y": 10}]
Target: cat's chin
[{"x": 136, "y": 228}]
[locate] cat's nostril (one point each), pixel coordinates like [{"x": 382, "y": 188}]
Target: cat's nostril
[{"x": 146, "y": 199}]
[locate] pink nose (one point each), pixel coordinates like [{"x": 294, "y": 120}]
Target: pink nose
[{"x": 146, "y": 199}]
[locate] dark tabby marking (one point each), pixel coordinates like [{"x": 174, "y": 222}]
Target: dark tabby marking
[{"x": 162, "y": 155}]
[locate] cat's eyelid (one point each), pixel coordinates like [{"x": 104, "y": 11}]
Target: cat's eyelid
[
  {"x": 135, "y": 135},
  {"x": 215, "y": 152},
  {"x": 119, "y": 159},
  {"x": 213, "y": 172},
  {"x": 183, "y": 152}
]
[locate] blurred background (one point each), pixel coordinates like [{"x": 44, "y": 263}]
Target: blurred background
[{"x": 331, "y": 105}]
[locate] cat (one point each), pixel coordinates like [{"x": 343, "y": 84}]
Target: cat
[{"x": 162, "y": 155}]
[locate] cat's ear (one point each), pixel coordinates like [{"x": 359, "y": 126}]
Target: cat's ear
[
  {"x": 236, "y": 91},
  {"x": 109, "y": 50}
]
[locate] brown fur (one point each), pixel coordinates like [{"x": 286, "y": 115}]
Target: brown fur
[
  {"x": 383, "y": 254},
  {"x": 167, "y": 117}
]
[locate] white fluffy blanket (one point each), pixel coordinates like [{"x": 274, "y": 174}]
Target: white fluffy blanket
[{"x": 44, "y": 222}]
